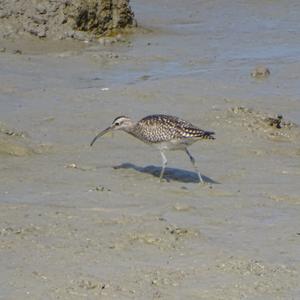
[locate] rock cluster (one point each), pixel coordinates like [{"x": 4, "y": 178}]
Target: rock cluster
[{"x": 59, "y": 19}]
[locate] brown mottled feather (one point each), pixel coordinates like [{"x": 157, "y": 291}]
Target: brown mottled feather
[{"x": 163, "y": 128}]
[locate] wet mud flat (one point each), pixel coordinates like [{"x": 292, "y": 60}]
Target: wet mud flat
[{"x": 79, "y": 222}]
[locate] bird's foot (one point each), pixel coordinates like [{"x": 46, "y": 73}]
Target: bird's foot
[{"x": 164, "y": 179}]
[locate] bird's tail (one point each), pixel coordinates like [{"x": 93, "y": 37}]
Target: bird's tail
[{"x": 209, "y": 135}]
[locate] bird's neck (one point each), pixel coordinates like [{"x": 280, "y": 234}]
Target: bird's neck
[{"x": 135, "y": 131}]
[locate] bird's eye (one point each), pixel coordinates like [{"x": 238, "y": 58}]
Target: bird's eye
[{"x": 117, "y": 123}]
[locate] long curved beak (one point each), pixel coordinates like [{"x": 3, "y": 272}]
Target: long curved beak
[{"x": 101, "y": 134}]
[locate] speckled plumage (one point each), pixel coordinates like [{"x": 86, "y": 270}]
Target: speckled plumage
[
  {"x": 162, "y": 131},
  {"x": 164, "y": 128}
]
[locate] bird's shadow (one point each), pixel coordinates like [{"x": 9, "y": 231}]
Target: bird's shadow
[{"x": 170, "y": 173}]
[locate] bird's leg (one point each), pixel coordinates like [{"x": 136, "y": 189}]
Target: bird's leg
[
  {"x": 192, "y": 159},
  {"x": 164, "y": 163}
]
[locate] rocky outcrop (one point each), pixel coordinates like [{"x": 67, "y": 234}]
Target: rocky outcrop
[{"x": 59, "y": 19}]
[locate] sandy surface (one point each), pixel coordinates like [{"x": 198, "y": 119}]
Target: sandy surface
[{"x": 79, "y": 222}]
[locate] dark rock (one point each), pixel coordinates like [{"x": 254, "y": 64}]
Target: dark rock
[{"x": 17, "y": 51}]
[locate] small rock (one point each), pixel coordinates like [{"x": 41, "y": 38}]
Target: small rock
[
  {"x": 17, "y": 51},
  {"x": 40, "y": 8},
  {"x": 145, "y": 77},
  {"x": 183, "y": 207},
  {"x": 81, "y": 36},
  {"x": 42, "y": 32},
  {"x": 260, "y": 72},
  {"x": 74, "y": 166},
  {"x": 102, "y": 189},
  {"x": 38, "y": 19},
  {"x": 275, "y": 122},
  {"x": 88, "y": 284},
  {"x": 5, "y": 14}
]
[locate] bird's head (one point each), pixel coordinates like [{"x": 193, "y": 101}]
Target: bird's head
[{"x": 119, "y": 123}]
